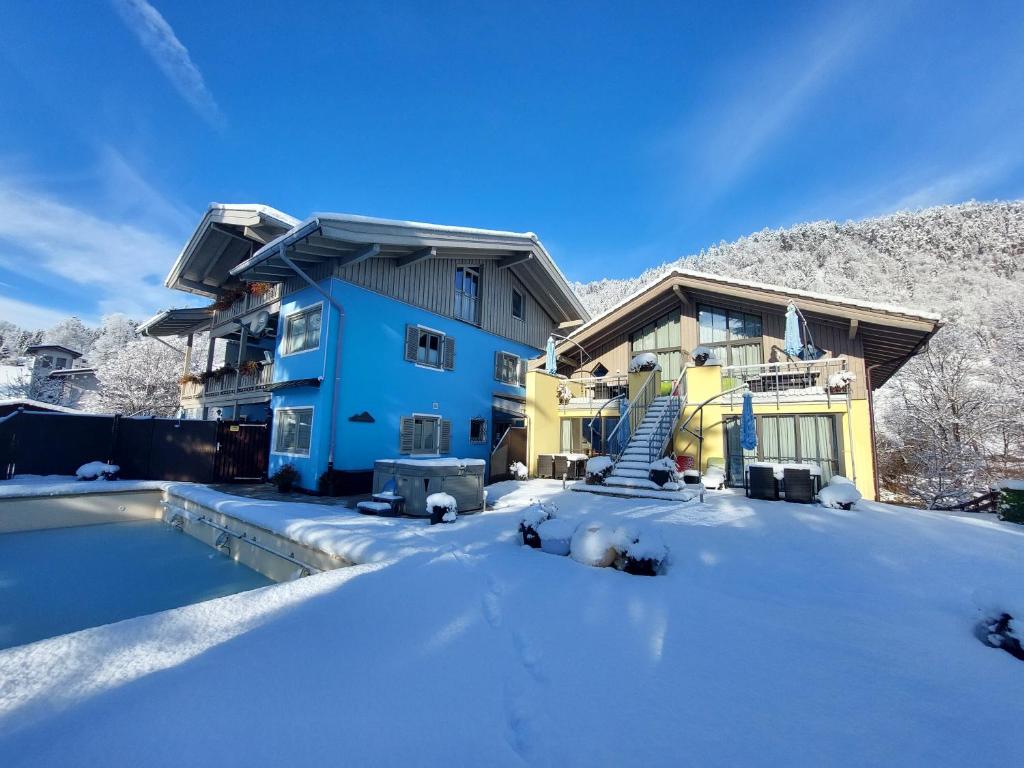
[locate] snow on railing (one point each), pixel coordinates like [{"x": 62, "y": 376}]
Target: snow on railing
[
  {"x": 823, "y": 379},
  {"x": 591, "y": 392}
]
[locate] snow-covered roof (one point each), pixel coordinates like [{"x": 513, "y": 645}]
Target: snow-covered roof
[
  {"x": 38, "y": 348},
  {"x": 175, "y": 322},
  {"x": 783, "y": 293},
  {"x": 198, "y": 267},
  {"x": 552, "y": 290},
  {"x": 24, "y": 402}
]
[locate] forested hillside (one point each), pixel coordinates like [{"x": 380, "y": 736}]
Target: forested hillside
[{"x": 953, "y": 418}]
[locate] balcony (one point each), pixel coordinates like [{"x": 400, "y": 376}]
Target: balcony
[
  {"x": 248, "y": 301},
  {"x": 227, "y": 383},
  {"x": 592, "y": 393},
  {"x": 785, "y": 382}
]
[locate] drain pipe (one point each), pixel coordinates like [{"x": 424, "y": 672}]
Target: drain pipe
[{"x": 282, "y": 248}]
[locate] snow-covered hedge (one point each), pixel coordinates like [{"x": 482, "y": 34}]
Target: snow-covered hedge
[
  {"x": 97, "y": 470},
  {"x": 645, "y": 361},
  {"x": 1011, "y": 501},
  {"x": 840, "y": 493},
  {"x": 556, "y": 535},
  {"x": 532, "y": 518},
  {"x": 518, "y": 470}
]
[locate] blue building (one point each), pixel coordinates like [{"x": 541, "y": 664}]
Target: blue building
[{"x": 363, "y": 339}]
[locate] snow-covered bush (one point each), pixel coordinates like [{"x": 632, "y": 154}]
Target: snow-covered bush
[
  {"x": 442, "y": 508},
  {"x": 556, "y": 535},
  {"x": 645, "y": 361},
  {"x": 598, "y": 545},
  {"x": 838, "y": 382},
  {"x": 598, "y": 468},
  {"x": 703, "y": 355},
  {"x": 840, "y": 493},
  {"x": 662, "y": 471},
  {"x": 518, "y": 470},
  {"x": 532, "y": 518},
  {"x": 646, "y": 554},
  {"x": 97, "y": 470},
  {"x": 1005, "y": 632}
]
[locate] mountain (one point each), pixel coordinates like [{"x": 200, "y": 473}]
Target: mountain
[{"x": 951, "y": 259}]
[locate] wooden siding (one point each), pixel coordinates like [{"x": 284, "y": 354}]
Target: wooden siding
[
  {"x": 430, "y": 284},
  {"x": 830, "y": 334}
]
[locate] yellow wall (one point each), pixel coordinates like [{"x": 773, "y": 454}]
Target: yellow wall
[
  {"x": 854, "y": 427},
  {"x": 543, "y": 428}
]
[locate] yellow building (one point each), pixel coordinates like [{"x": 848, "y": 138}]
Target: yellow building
[{"x": 715, "y": 339}]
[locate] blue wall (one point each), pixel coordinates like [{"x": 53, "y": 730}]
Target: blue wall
[{"x": 375, "y": 377}]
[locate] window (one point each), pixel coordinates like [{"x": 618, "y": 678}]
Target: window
[
  {"x": 663, "y": 337},
  {"x": 467, "y": 294},
  {"x": 735, "y": 336},
  {"x": 784, "y": 440},
  {"x": 302, "y": 330},
  {"x": 425, "y": 346},
  {"x": 509, "y": 369},
  {"x": 424, "y": 434},
  {"x": 294, "y": 429},
  {"x": 478, "y": 430},
  {"x": 518, "y": 310}
]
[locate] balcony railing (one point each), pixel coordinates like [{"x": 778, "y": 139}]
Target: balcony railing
[
  {"x": 229, "y": 383},
  {"x": 810, "y": 380},
  {"x": 247, "y": 303},
  {"x": 594, "y": 392}
]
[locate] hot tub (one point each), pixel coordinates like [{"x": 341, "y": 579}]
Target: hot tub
[{"x": 415, "y": 479}]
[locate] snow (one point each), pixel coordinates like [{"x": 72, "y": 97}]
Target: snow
[
  {"x": 518, "y": 470},
  {"x": 29, "y": 403},
  {"x": 1011, "y": 485},
  {"x": 647, "y": 545},
  {"x": 452, "y": 462},
  {"x": 96, "y": 470},
  {"x": 597, "y": 545},
  {"x": 598, "y": 464},
  {"x": 645, "y": 361},
  {"x": 839, "y": 495},
  {"x": 666, "y": 464},
  {"x": 556, "y": 535},
  {"x": 777, "y": 632},
  {"x": 780, "y": 469}
]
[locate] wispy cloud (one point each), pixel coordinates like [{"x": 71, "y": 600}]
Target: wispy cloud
[
  {"x": 28, "y": 315},
  {"x": 767, "y": 93},
  {"x": 115, "y": 263},
  {"x": 159, "y": 40}
]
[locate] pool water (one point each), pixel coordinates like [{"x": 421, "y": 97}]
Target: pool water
[{"x": 61, "y": 580}]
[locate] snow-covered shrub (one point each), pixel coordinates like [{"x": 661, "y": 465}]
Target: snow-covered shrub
[
  {"x": 1011, "y": 500},
  {"x": 1005, "y": 632},
  {"x": 598, "y": 468},
  {"x": 838, "y": 382},
  {"x": 662, "y": 471},
  {"x": 518, "y": 470},
  {"x": 598, "y": 545},
  {"x": 645, "y": 555},
  {"x": 532, "y": 518},
  {"x": 556, "y": 535},
  {"x": 442, "y": 508},
  {"x": 703, "y": 355},
  {"x": 97, "y": 470},
  {"x": 645, "y": 361},
  {"x": 672, "y": 485},
  {"x": 840, "y": 493}
]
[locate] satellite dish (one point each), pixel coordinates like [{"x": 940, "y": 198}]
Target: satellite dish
[{"x": 259, "y": 323}]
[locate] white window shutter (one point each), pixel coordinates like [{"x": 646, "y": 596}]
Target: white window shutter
[
  {"x": 405, "y": 438},
  {"x": 449, "y": 353},
  {"x": 445, "y": 442},
  {"x": 412, "y": 342}
]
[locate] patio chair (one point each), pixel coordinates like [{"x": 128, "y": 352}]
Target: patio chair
[
  {"x": 545, "y": 465},
  {"x": 761, "y": 484},
  {"x": 799, "y": 485},
  {"x": 560, "y": 466}
]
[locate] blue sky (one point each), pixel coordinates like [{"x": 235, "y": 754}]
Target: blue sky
[{"x": 624, "y": 137}]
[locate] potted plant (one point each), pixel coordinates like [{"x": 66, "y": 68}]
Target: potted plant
[
  {"x": 598, "y": 468},
  {"x": 662, "y": 471},
  {"x": 285, "y": 478},
  {"x": 227, "y": 299},
  {"x": 190, "y": 378},
  {"x": 249, "y": 367},
  {"x": 534, "y": 515},
  {"x": 442, "y": 508},
  {"x": 645, "y": 555},
  {"x": 260, "y": 289}
]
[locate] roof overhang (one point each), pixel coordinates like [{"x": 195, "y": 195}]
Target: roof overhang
[
  {"x": 226, "y": 235},
  {"x": 347, "y": 239},
  {"x": 36, "y": 349},
  {"x": 890, "y": 335},
  {"x": 177, "y": 322}
]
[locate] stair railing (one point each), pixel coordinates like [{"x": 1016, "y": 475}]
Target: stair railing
[
  {"x": 597, "y": 419},
  {"x": 666, "y": 426},
  {"x": 634, "y": 416}
]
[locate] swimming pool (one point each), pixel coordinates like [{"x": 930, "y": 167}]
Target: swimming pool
[{"x": 63, "y": 579}]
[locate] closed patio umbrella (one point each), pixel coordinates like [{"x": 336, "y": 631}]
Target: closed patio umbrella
[
  {"x": 792, "y": 343},
  {"x": 552, "y": 362},
  {"x": 748, "y": 429}
]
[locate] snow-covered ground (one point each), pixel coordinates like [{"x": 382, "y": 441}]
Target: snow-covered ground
[{"x": 781, "y": 635}]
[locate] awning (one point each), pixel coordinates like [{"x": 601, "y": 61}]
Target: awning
[
  {"x": 510, "y": 405},
  {"x": 277, "y": 386},
  {"x": 176, "y": 322}
]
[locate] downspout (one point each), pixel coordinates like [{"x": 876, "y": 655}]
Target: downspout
[{"x": 337, "y": 358}]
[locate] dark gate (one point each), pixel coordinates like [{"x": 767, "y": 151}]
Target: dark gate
[
  {"x": 242, "y": 452},
  {"x": 511, "y": 447}
]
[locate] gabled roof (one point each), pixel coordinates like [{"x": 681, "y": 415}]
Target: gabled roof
[
  {"x": 348, "y": 239},
  {"x": 36, "y": 349},
  {"x": 227, "y": 234},
  {"x": 890, "y": 334}
]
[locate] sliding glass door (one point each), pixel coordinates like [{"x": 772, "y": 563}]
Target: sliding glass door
[{"x": 785, "y": 440}]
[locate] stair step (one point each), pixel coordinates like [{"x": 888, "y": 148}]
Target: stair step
[
  {"x": 631, "y": 482},
  {"x": 625, "y": 463},
  {"x": 641, "y": 473}
]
